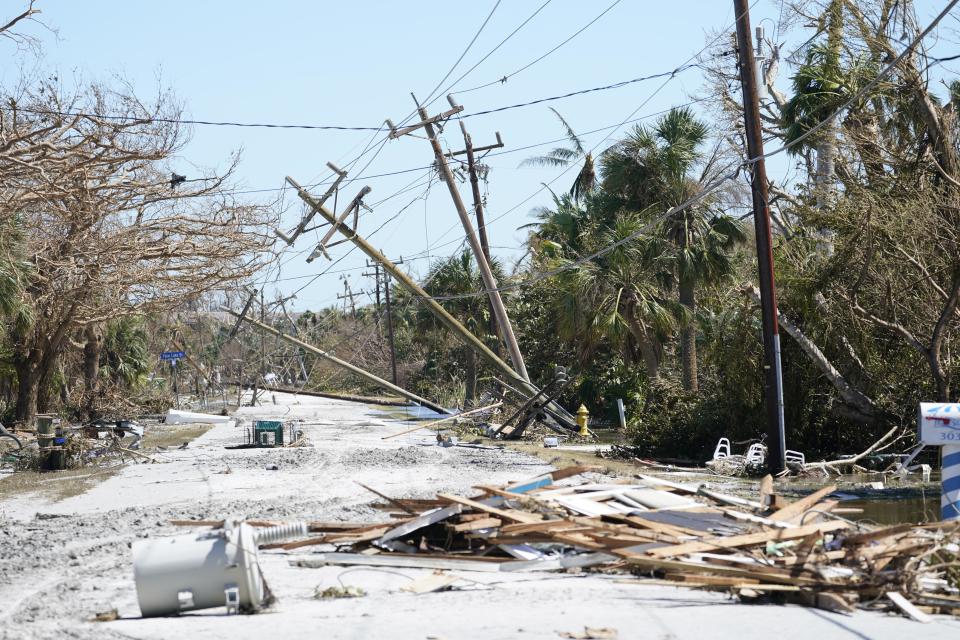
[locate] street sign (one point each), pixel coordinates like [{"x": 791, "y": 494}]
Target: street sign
[
  {"x": 939, "y": 423},
  {"x": 172, "y": 355}
]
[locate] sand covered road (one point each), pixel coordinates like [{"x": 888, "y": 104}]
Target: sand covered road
[{"x": 62, "y": 562}]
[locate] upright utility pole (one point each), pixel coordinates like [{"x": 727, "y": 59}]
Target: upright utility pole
[
  {"x": 471, "y": 152},
  {"x": 377, "y": 274},
  {"x": 393, "y": 346},
  {"x": 773, "y": 379},
  {"x": 296, "y": 332},
  {"x": 489, "y": 281}
]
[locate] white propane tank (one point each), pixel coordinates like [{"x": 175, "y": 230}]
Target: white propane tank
[{"x": 204, "y": 570}]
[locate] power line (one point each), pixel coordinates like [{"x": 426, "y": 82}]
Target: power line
[
  {"x": 719, "y": 181},
  {"x": 492, "y": 51},
  {"x": 615, "y": 85},
  {"x": 503, "y": 79},
  {"x": 469, "y": 46},
  {"x": 210, "y": 123}
]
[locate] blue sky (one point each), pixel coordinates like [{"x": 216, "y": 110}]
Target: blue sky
[{"x": 355, "y": 64}]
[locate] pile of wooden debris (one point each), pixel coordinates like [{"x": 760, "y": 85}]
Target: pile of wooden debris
[{"x": 768, "y": 549}]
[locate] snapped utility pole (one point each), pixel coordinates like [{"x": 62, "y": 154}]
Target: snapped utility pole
[
  {"x": 773, "y": 378},
  {"x": 489, "y": 282}
]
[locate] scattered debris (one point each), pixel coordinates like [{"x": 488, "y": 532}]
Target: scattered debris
[
  {"x": 205, "y": 570},
  {"x": 436, "y": 581},
  {"x": 602, "y": 633},
  {"x": 106, "y": 616},
  {"x": 667, "y": 532},
  {"x": 330, "y": 593}
]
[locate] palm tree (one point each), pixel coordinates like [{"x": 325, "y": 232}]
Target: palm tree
[
  {"x": 586, "y": 179},
  {"x": 651, "y": 171},
  {"x": 615, "y": 299}
]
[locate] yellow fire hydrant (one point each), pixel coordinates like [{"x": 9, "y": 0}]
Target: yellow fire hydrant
[{"x": 583, "y": 417}]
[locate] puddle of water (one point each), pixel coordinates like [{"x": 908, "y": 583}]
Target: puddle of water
[{"x": 913, "y": 510}]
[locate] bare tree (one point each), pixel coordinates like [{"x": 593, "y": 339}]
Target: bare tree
[{"x": 107, "y": 232}]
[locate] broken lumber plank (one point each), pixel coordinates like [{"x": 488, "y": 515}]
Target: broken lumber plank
[
  {"x": 878, "y": 534},
  {"x": 745, "y": 584},
  {"x": 797, "y": 508},
  {"x": 663, "y": 482},
  {"x": 543, "y": 525},
  {"x": 723, "y": 581},
  {"x": 476, "y": 525},
  {"x": 395, "y": 560},
  {"x": 506, "y": 514},
  {"x": 414, "y": 503},
  {"x": 748, "y": 539},
  {"x": 660, "y": 564},
  {"x": 392, "y": 501},
  {"x": 908, "y": 608},
  {"x": 749, "y": 517},
  {"x": 813, "y": 557},
  {"x": 723, "y": 498}
]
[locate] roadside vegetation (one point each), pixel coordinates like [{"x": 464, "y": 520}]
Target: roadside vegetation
[{"x": 105, "y": 260}]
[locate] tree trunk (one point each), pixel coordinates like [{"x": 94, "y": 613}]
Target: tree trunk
[
  {"x": 471, "y": 393},
  {"x": 49, "y": 366},
  {"x": 27, "y": 385},
  {"x": 688, "y": 338},
  {"x": 91, "y": 357},
  {"x": 92, "y": 347}
]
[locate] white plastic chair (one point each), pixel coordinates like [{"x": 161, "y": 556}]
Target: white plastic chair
[
  {"x": 794, "y": 457},
  {"x": 756, "y": 454},
  {"x": 722, "y": 450}
]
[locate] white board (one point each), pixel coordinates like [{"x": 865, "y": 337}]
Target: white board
[{"x": 939, "y": 423}]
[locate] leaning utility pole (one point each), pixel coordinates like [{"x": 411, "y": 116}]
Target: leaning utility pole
[
  {"x": 444, "y": 316},
  {"x": 296, "y": 332},
  {"x": 341, "y": 363},
  {"x": 773, "y": 379},
  {"x": 499, "y": 310}
]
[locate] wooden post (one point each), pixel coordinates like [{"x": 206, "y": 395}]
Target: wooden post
[
  {"x": 478, "y": 209},
  {"x": 773, "y": 379},
  {"x": 296, "y": 332},
  {"x": 499, "y": 310},
  {"x": 393, "y": 348},
  {"x": 380, "y": 382}
]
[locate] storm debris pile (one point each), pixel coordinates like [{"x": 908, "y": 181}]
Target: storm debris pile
[{"x": 662, "y": 532}]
